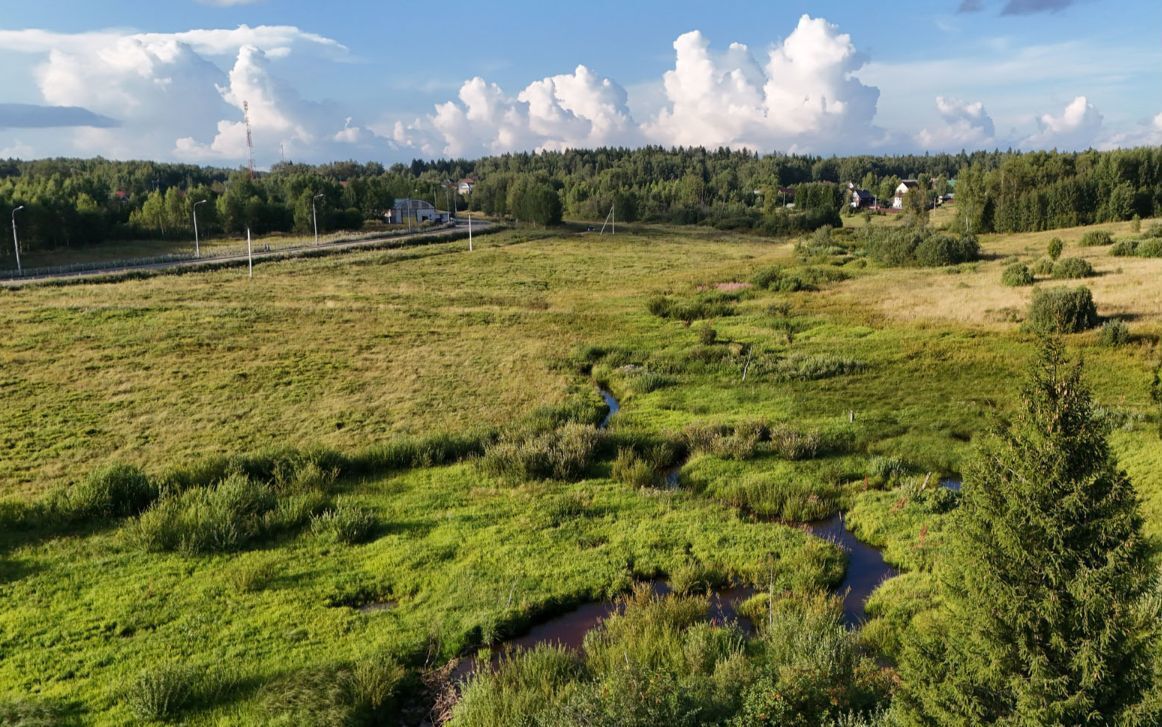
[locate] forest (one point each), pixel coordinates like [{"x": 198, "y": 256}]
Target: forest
[{"x": 77, "y": 203}]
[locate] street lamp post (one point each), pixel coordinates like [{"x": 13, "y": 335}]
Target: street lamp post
[
  {"x": 197, "y": 242},
  {"x": 315, "y": 216},
  {"x": 16, "y": 241}
]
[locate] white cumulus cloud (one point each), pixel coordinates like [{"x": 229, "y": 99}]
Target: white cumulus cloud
[
  {"x": 1077, "y": 127},
  {"x": 804, "y": 98},
  {"x": 966, "y": 126},
  {"x": 558, "y": 112}
]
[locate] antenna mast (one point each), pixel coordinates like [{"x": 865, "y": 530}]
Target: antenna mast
[{"x": 249, "y": 136}]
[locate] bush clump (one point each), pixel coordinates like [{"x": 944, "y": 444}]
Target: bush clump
[
  {"x": 346, "y": 523},
  {"x": 1017, "y": 275},
  {"x": 1124, "y": 248},
  {"x": 1096, "y": 238},
  {"x": 1114, "y": 333},
  {"x": 1044, "y": 266},
  {"x": 1062, "y": 310},
  {"x": 118, "y": 490},
  {"x": 1149, "y": 248},
  {"x": 702, "y": 308},
  {"x": 739, "y": 442},
  {"x": 1072, "y": 268},
  {"x": 1056, "y": 246},
  {"x": 561, "y": 454},
  {"x": 923, "y": 248}
]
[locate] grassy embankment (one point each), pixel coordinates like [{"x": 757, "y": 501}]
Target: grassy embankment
[{"x": 353, "y": 351}]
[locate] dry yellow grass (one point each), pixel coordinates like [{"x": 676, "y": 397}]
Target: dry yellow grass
[{"x": 1126, "y": 287}]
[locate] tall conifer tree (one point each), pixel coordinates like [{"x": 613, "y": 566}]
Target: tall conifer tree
[{"x": 1042, "y": 620}]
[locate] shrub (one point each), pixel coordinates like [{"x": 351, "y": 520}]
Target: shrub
[
  {"x": 207, "y": 519},
  {"x": 1124, "y": 248},
  {"x": 561, "y": 454},
  {"x": 1017, "y": 275},
  {"x": 1154, "y": 230},
  {"x": 1044, "y": 266},
  {"x": 711, "y": 305},
  {"x": 1136, "y": 223},
  {"x": 162, "y": 691},
  {"x": 345, "y": 523},
  {"x": 1114, "y": 333},
  {"x": 1062, "y": 310},
  {"x": 1149, "y": 248},
  {"x": 1072, "y": 268},
  {"x": 942, "y": 250},
  {"x": 1056, "y": 246},
  {"x": 707, "y": 335},
  {"x": 1095, "y": 238},
  {"x": 117, "y": 490}
]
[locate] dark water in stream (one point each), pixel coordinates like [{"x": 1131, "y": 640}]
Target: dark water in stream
[{"x": 866, "y": 569}]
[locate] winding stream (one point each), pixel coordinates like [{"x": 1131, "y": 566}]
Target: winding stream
[{"x": 865, "y": 571}]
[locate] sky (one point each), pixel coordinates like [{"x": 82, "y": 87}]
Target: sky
[{"x": 391, "y": 81}]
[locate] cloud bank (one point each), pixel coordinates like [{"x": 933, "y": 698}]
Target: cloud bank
[{"x": 181, "y": 96}]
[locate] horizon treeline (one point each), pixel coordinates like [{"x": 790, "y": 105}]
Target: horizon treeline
[{"x": 76, "y": 202}]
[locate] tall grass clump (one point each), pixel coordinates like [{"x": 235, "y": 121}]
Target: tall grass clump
[
  {"x": 792, "y": 444},
  {"x": 1062, "y": 310},
  {"x": 561, "y": 454},
  {"x": 163, "y": 691},
  {"x": 37, "y": 713},
  {"x": 221, "y": 518},
  {"x": 790, "y": 499},
  {"x": 704, "y": 307},
  {"x": 812, "y": 670},
  {"x": 1072, "y": 268},
  {"x": 813, "y": 367},
  {"x": 365, "y": 693},
  {"x": 632, "y": 469},
  {"x": 739, "y": 441},
  {"x": 1114, "y": 333},
  {"x": 1096, "y": 238},
  {"x": 1017, "y": 275},
  {"x": 118, "y": 490},
  {"x": 346, "y": 523},
  {"x": 521, "y": 690}
]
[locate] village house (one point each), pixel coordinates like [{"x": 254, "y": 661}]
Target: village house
[
  {"x": 416, "y": 210},
  {"x": 901, "y": 191}
]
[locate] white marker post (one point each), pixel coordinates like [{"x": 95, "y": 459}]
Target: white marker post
[
  {"x": 249, "y": 254},
  {"x": 469, "y": 232}
]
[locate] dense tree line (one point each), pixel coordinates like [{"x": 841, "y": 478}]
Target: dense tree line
[{"x": 71, "y": 202}]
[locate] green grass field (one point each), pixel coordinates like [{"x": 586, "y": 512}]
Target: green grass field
[{"x": 874, "y": 388}]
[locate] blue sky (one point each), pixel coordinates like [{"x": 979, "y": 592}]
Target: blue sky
[{"x": 391, "y": 81}]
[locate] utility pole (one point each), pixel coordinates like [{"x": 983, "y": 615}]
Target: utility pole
[
  {"x": 197, "y": 244},
  {"x": 315, "y": 217},
  {"x": 469, "y": 230},
  {"x": 16, "y": 241},
  {"x": 249, "y": 254}
]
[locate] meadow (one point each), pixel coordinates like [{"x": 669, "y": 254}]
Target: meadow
[{"x": 355, "y": 572}]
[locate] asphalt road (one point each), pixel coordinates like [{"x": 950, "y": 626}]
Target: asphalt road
[{"x": 460, "y": 226}]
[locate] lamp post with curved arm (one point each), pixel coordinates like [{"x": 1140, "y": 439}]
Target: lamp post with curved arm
[
  {"x": 197, "y": 242},
  {"x": 16, "y": 241}
]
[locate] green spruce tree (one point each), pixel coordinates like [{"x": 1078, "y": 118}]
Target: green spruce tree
[{"x": 1042, "y": 619}]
